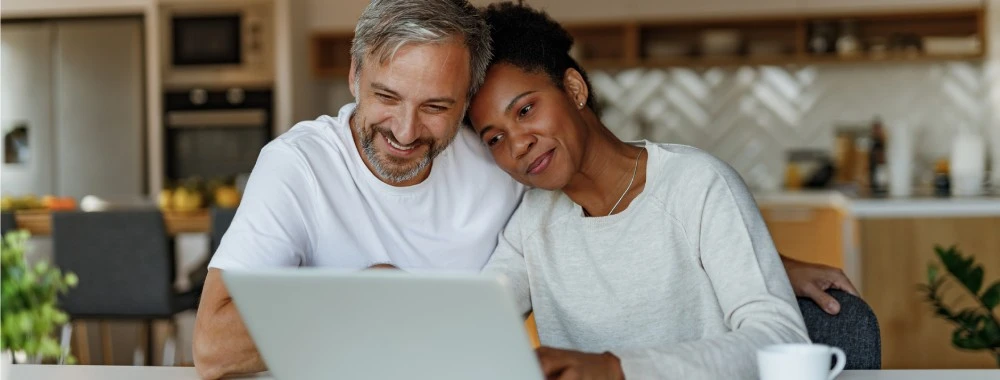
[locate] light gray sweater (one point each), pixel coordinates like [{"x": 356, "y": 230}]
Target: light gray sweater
[{"x": 684, "y": 284}]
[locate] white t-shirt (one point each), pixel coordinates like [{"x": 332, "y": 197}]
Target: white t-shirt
[{"x": 311, "y": 201}]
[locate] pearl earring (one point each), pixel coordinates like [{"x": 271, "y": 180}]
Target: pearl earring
[{"x": 581, "y": 105}]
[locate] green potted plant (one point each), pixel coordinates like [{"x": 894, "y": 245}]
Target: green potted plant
[
  {"x": 977, "y": 326},
  {"x": 29, "y": 314}
]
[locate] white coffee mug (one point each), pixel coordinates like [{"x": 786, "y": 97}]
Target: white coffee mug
[{"x": 799, "y": 362}]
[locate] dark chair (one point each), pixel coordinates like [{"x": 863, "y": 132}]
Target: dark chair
[
  {"x": 125, "y": 263},
  {"x": 855, "y": 329},
  {"x": 221, "y": 218},
  {"x": 7, "y": 223}
]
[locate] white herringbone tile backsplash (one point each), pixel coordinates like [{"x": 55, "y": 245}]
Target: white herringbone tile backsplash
[{"x": 750, "y": 116}]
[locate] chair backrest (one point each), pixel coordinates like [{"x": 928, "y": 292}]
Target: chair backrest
[
  {"x": 855, "y": 329},
  {"x": 124, "y": 261},
  {"x": 7, "y": 222},
  {"x": 221, "y": 219}
]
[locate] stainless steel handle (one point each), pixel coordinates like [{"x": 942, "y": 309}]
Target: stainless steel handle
[{"x": 216, "y": 118}]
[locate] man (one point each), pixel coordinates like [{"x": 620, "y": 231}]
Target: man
[{"x": 391, "y": 182}]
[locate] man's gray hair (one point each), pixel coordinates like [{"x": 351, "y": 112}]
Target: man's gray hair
[{"x": 386, "y": 25}]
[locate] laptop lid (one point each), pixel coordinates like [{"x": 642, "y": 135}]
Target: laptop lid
[{"x": 311, "y": 323}]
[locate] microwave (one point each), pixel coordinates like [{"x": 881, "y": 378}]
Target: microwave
[{"x": 224, "y": 44}]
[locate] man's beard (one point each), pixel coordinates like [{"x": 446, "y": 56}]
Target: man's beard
[{"x": 391, "y": 168}]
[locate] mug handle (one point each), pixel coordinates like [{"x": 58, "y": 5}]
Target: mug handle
[{"x": 841, "y": 362}]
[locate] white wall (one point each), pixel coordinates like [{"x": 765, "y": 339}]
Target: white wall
[{"x": 992, "y": 69}]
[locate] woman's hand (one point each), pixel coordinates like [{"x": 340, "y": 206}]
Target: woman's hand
[
  {"x": 575, "y": 365},
  {"x": 813, "y": 280}
]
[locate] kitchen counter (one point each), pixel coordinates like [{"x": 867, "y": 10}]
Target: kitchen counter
[
  {"x": 925, "y": 207},
  {"x": 805, "y": 198},
  {"x": 39, "y": 222},
  {"x": 885, "y": 207}
]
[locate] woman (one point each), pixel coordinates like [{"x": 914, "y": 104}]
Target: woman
[{"x": 639, "y": 260}]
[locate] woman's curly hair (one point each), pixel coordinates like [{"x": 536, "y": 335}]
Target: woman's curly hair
[{"x": 530, "y": 40}]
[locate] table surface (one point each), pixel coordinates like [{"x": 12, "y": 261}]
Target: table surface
[{"x": 80, "y": 372}]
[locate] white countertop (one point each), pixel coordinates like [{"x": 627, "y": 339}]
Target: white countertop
[
  {"x": 805, "y": 198},
  {"x": 46, "y": 372},
  {"x": 926, "y": 207},
  {"x": 916, "y": 207}
]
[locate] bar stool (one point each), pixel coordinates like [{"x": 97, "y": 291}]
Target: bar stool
[{"x": 126, "y": 268}]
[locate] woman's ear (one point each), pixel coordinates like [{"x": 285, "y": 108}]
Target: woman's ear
[{"x": 576, "y": 87}]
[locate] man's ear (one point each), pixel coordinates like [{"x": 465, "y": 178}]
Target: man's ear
[
  {"x": 576, "y": 87},
  {"x": 352, "y": 79}
]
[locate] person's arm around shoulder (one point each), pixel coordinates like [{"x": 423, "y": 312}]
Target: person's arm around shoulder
[
  {"x": 270, "y": 229},
  {"x": 813, "y": 280}
]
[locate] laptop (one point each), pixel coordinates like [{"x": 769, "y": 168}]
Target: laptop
[{"x": 311, "y": 323}]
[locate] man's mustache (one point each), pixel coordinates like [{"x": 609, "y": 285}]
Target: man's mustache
[{"x": 388, "y": 134}]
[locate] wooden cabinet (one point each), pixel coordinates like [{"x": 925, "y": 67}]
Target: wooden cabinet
[
  {"x": 669, "y": 33},
  {"x": 672, "y": 9},
  {"x": 327, "y": 15},
  {"x": 884, "y": 5},
  {"x": 807, "y": 233},
  {"x": 585, "y": 10},
  {"x": 57, "y": 8},
  {"x": 894, "y": 257}
]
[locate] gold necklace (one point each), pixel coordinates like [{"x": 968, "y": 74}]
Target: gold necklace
[{"x": 630, "y": 181}]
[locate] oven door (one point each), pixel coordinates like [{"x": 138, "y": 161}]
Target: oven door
[
  {"x": 207, "y": 40},
  {"x": 214, "y": 144}
]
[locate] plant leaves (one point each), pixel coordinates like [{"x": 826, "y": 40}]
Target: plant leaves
[
  {"x": 991, "y": 297},
  {"x": 991, "y": 332},
  {"x": 962, "y": 268},
  {"x": 962, "y": 339},
  {"x": 974, "y": 280}
]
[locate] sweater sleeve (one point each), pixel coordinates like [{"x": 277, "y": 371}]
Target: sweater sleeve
[
  {"x": 748, "y": 279},
  {"x": 507, "y": 262}
]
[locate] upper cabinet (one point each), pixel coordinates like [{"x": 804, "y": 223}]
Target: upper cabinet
[
  {"x": 333, "y": 15},
  {"x": 674, "y": 9},
  {"x": 585, "y": 10},
  {"x": 818, "y": 6},
  {"x": 58, "y": 8}
]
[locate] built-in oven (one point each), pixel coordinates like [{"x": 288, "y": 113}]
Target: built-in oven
[
  {"x": 215, "y": 134},
  {"x": 217, "y": 42}
]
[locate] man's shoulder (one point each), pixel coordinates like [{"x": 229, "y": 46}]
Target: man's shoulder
[
  {"x": 474, "y": 160},
  {"x": 319, "y": 137}
]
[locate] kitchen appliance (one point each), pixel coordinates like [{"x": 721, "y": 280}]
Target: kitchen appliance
[
  {"x": 226, "y": 43},
  {"x": 74, "y": 88},
  {"x": 215, "y": 134}
]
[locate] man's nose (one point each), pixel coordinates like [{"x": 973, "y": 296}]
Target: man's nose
[{"x": 408, "y": 129}]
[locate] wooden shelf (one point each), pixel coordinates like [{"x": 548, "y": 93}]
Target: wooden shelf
[
  {"x": 678, "y": 43},
  {"x": 831, "y": 59},
  {"x": 778, "y": 60},
  {"x": 330, "y": 54},
  {"x": 612, "y": 45}
]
